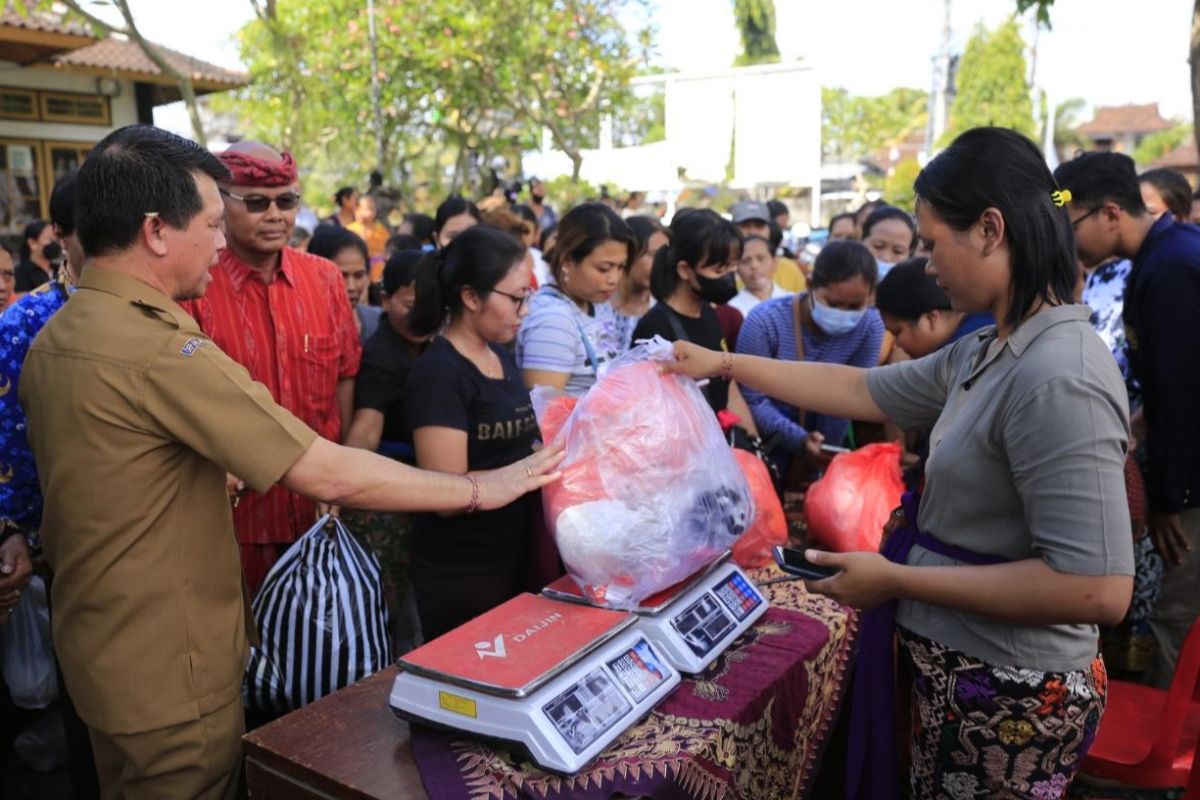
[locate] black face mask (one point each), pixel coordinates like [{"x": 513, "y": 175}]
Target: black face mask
[
  {"x": 537, "y": 197},
  {"x": 717, "y": 290}
]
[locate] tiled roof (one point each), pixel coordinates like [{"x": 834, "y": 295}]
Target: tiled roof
[
  {"x": 1128, "y": 118},
  {"x": 43, "y": 21},
  {"x": 121, "y": 55},
  {"x": 1183, "y": 157}
]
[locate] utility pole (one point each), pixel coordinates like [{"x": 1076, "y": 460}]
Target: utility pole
[
  {"x": 939, "y": 95},
  {"x": 381, "y": 144}
]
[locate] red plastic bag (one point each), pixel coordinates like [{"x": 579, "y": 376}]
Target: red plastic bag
[
  {"x": 848, "y": 507},
  {"x": 754, "y": 547}
]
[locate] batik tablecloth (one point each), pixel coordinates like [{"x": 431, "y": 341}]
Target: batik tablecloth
[{"x": 753, "y": 725}]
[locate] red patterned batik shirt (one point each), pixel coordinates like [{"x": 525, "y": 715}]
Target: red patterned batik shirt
[{"x": 296, "y": 335}]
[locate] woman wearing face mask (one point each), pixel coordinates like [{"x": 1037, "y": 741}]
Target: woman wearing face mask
[
  {"x": 831, "y": 323},
  {"x": 695, "y": 270},
  {"x": 572, "y": 334},
  {"x": 891, "y": 236},
  {"x": 469, "y": 410},
  {"x": 38, "y": 251},
  {"x": 633, "y": 298}
]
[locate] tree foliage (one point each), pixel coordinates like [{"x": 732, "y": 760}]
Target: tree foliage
[
  {"x": 1157, "y": 145},
  {"x": 991, "y": 83},
  {"x": 461, "y": 82},
  {"x": 854, "y": 127},
  {"x": 756, "y": 24},
  {"x": 898, "y": 186}
]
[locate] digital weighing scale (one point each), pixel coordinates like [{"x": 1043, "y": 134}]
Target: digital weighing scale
[
  {"x": 692, "y": 622},
  {"x": 559, "y": 680}
]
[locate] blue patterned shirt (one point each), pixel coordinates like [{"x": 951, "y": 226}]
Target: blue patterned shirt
[{"x": 20, "y": 492}]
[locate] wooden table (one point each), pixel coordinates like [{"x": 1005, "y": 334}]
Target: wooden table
[{"x": 346, "y": 745}]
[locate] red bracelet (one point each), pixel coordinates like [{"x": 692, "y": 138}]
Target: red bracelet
[{"x": 473, "y": 506}]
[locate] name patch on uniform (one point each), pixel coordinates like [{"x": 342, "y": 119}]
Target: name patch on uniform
[{"x": 191, "y": 346}]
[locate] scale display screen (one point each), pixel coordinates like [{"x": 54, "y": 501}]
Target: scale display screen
[
  {"x": 703, "y": 624},
  {"x": 738, "y": 595},
  {"x": 639, "y": 670},
  {"x": 587, "y": 709}
]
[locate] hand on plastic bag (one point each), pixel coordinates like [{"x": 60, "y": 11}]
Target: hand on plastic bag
[
  {"x": 692, "y": 361},
  {"x": 650, "y": 490},
  {"x": 499, "y": 487}
]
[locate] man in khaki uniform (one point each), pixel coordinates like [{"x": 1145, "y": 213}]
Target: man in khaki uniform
[{"x": 135, "y": 418}]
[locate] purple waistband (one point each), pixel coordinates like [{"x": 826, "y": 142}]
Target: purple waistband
[{"x": 872, "y": 769}]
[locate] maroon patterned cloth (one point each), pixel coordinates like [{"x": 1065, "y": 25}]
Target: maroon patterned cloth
[{"x": 754, "y": 725}]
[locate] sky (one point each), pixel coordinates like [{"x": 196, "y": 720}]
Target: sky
[{"x": 864, "y": 46}]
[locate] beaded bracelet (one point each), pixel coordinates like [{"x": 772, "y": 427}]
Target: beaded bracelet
[
  {"x": 727, "y": 367},
  {"x": 473, "y": 506}
]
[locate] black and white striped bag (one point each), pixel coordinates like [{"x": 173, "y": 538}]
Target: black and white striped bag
[{"x": 322, "y": 618}]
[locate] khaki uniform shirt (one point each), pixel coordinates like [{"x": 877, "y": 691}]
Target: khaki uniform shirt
[
  {"x": 134, "y": 419},
  {"x": 1026, "y": 460}
]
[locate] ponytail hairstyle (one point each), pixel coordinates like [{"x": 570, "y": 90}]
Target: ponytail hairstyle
[
  {"x": 700, "y": 237},
  {"x": 582, "y": 230},
  {"x": 479, "y": 257}
]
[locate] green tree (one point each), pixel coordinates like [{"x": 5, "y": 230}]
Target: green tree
[
  {"x": 1067, "y": 138},
  {"x": 756, "y": 24},
  {"x": 1157, "y": 145},
  {"x": 461, "y": 82},
  {"x": 991, "y": 83},
  {"x": 898, "y": 187},
  {"x": 855, "y": 127}
]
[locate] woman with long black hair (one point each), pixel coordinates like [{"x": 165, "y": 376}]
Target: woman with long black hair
[{"x": 1021, "y": 544}]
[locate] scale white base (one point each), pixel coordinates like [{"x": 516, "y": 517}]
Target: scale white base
[
  {"x": 563, "y": 717},
  {"x": 695, "y": 621}
]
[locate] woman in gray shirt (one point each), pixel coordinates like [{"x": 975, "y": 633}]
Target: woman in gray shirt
[{"x": 1022, "y": 540}]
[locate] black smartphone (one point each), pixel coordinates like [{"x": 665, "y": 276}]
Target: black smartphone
[{"x": 793, "y": 561}]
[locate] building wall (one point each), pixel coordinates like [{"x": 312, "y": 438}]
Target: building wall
[{"x": 124, "y": 106}]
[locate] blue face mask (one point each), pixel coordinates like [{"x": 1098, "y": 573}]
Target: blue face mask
[
  {"x": 835, "y": 321},
  {"x": 883, "y": 267}
]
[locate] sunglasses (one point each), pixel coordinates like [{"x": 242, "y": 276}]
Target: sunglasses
[{"x": 258, "y": 203}]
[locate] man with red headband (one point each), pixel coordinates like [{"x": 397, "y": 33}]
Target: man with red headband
[{"x": 283, "y": 314}]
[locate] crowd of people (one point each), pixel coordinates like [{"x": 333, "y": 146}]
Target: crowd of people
[{"x": 191, "y": 385}]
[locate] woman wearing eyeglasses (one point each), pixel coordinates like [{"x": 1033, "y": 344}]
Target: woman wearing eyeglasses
[
  {"x": 469, "y": 410},
  {"x": 572, "y": 333}
]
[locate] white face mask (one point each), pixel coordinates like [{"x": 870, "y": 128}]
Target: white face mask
[
  {"x": 835, "y": 321},
  {"x": 883, "y": 267}
]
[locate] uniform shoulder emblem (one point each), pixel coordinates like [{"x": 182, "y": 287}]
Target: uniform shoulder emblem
[{"x": 191, "y": 346}]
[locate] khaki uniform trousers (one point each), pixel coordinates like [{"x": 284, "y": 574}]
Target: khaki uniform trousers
[{"x": 197, "y": 759}]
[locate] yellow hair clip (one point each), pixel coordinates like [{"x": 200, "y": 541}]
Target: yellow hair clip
[{"x": 1061, "y": 197}]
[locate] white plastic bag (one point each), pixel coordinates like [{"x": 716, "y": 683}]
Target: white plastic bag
[
  {"x": 28, "y": 650},
  {"x": 650, "y": 491}
]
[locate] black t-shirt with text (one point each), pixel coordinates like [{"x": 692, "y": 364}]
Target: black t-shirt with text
[
  {"x": 444, "y": 389},
  {"x": 705, "y": 331}
]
